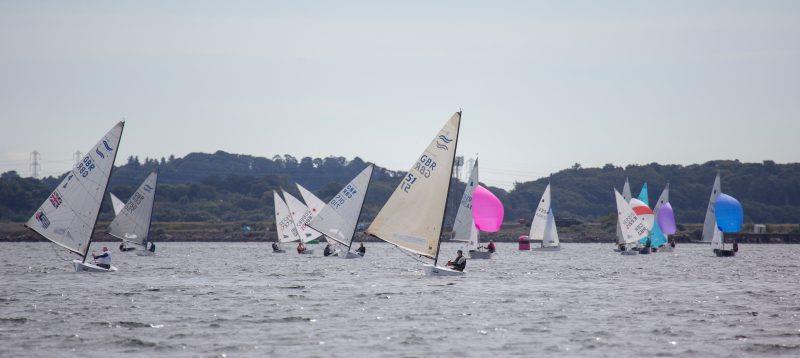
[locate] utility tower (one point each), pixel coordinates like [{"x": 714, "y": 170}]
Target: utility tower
[{"x": 36, "y": 157}]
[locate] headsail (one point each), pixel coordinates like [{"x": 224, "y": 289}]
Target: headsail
[
  {"x": 658, "y": 237},
  {"x": 69, "y": 214},
  {"x": 540, "y": 217},
  {"x": 338, "y": 219},
  {"x": 412, "y": 218},
  {"x": 132, "y": 223},
  {"x": 626, "y": 194},
  {"x": 550, "y": 238},
  {"x": 301, "y": 215},
  {"x": 717, "y": 239},
  {"x": 464, "y": 224},
  {"x": 632, "y": 225},
  {"x": 116, "y": 203},
  {"x": 711, "y": 220},
  {"x": 287, "y": 231}
]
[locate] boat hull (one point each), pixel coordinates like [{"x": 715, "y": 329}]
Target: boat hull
[
  {"x": 145, "y": 253},
  {"x": 546, "y": 248},
  {"x": 431, "y": 270},
  {"x": 629, "y": 252},
  {"x": 349, "y": 255},
  {"x": 89, "y": 267},
  {"x": 725, "y": 253},
  {"x": 480, "y": 255}
]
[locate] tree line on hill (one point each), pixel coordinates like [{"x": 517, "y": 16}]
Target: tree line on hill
[{"x": 232, "y": 187}]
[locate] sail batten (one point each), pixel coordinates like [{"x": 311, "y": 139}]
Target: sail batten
[
  {"x": 413, "y": 216},
  {"x": 68, "y": 216}
]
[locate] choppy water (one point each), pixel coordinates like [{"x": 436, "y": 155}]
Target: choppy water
[{"x": 214, "y": 299}]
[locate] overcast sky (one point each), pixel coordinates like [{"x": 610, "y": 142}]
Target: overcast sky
[{"x": 543, "y": 85}]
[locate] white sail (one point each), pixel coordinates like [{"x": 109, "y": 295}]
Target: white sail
[
  {"x": 412, "y": 218},
  {"x": 632, "y": 226},
  {"x": 474, "y": 239},
  {"x": 464, "y": 224},
  {"x": 539, "y": 221},
  {"x": 550, "y": 232},
  {"x": 116, "y": 203},
  {"x": 132, "y": 223},
  {"x": 287, "y": 231},
  {"x": 69, "y": 214},
  {"x": 717, "y": 239},
  {"x": 338, "y": 219},
  {"x": 626, "y": 194},
  {"x": 314, "y": 204},
  {"x": 710, "y": 224},
  {"x": 301, "y": 215}
]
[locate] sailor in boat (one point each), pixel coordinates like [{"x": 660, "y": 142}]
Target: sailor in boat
[
  {"x": 491, "y": 247},
  {"x": 301, "y": 248},
  {"x": 622, "y": 247},
  {"x": 103, "y": 260},
  {"x": 152, "y": 247},
  {"x": 123, "y": 248},
  {"x": 275, "y": 247},
  {"x": 459, "y": 263},
  {"x": 361, "y": 249},
  {"x": 328, "y": 250}
]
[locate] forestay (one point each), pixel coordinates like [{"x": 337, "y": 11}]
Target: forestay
[
  {"x": 68, "y": 216},
  {"x": 632, "y": 226},
  {"x": 464, "y": 225},
  {"x": 338, "y": 219},
  {"x": 287, "y": 231},
  {"x": 301, "y": 215},
  {"x": 540, "y": 217},
  {"x": 412, "y": 218},
  {"x": 132, "y": 223},
  {"x": 710, "y": 223}
]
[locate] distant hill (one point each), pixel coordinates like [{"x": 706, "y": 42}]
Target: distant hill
[{"x": 232, "y": 187}]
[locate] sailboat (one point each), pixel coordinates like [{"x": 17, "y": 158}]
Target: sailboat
[
  {"x": 413, "y": 217},
  {"x": 338, "y": 219},
  {"x": 301, "y": 215},
  {"x": 68, "y": 216},
  {"x": 464, "y": 229},
  {"x": 315, "y": 205},
  {"x": 632, "y": 226},
  {"x": 284, "y": 223},
  {"x": 132, "y": 223},
  {"x": 626, "y": 194},
  {"x": 543, "y": 225},
  {"x": 710, "y": 223}
]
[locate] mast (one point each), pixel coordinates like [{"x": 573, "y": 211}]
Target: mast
[
  {"x": 447, "y": 196},
  {"x": 105, "y": 188}
]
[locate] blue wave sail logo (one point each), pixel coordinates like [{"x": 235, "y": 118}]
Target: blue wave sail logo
[
  {"x": 442, "y": 141},
  {"x": 108, "y": 147},
  {"x": 148, "y": 188},
  {"x": 97, "y": 150}
]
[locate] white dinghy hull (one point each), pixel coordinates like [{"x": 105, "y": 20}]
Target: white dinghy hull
[
  {"x": 546, "y": 248},
  {"x": 480, "y": 255},
  {"x": 431, "y": 270},
  {"x": 88, "y": 267}
]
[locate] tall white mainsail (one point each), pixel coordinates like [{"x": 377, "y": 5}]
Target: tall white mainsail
[
  {"x": 626, "y": 194},
  {"x": 412, "y": 218},
  {"x": 132, "y": 223},
  {"x": 301, "y": 215},
  {"x": 287, "y": 231},
  {"x": 116, "y": 203},
  {"x": 338, "y": 219},
  {"x": 463, "y": 226},
  {"x": 68, "y": 216},
  {"x": 632, "y": 226},
  {"x": 540, "y": 217},
  {"x": 314, "y": 204},
  {"x": 710, "y": 224}
]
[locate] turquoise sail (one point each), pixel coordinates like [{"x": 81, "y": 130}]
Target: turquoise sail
[{"x": 643, "y": 196}]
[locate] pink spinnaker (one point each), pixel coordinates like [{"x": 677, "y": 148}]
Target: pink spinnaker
[
  {"x": 487, "y": 210},
  {"x": 666, "y": 219}
]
